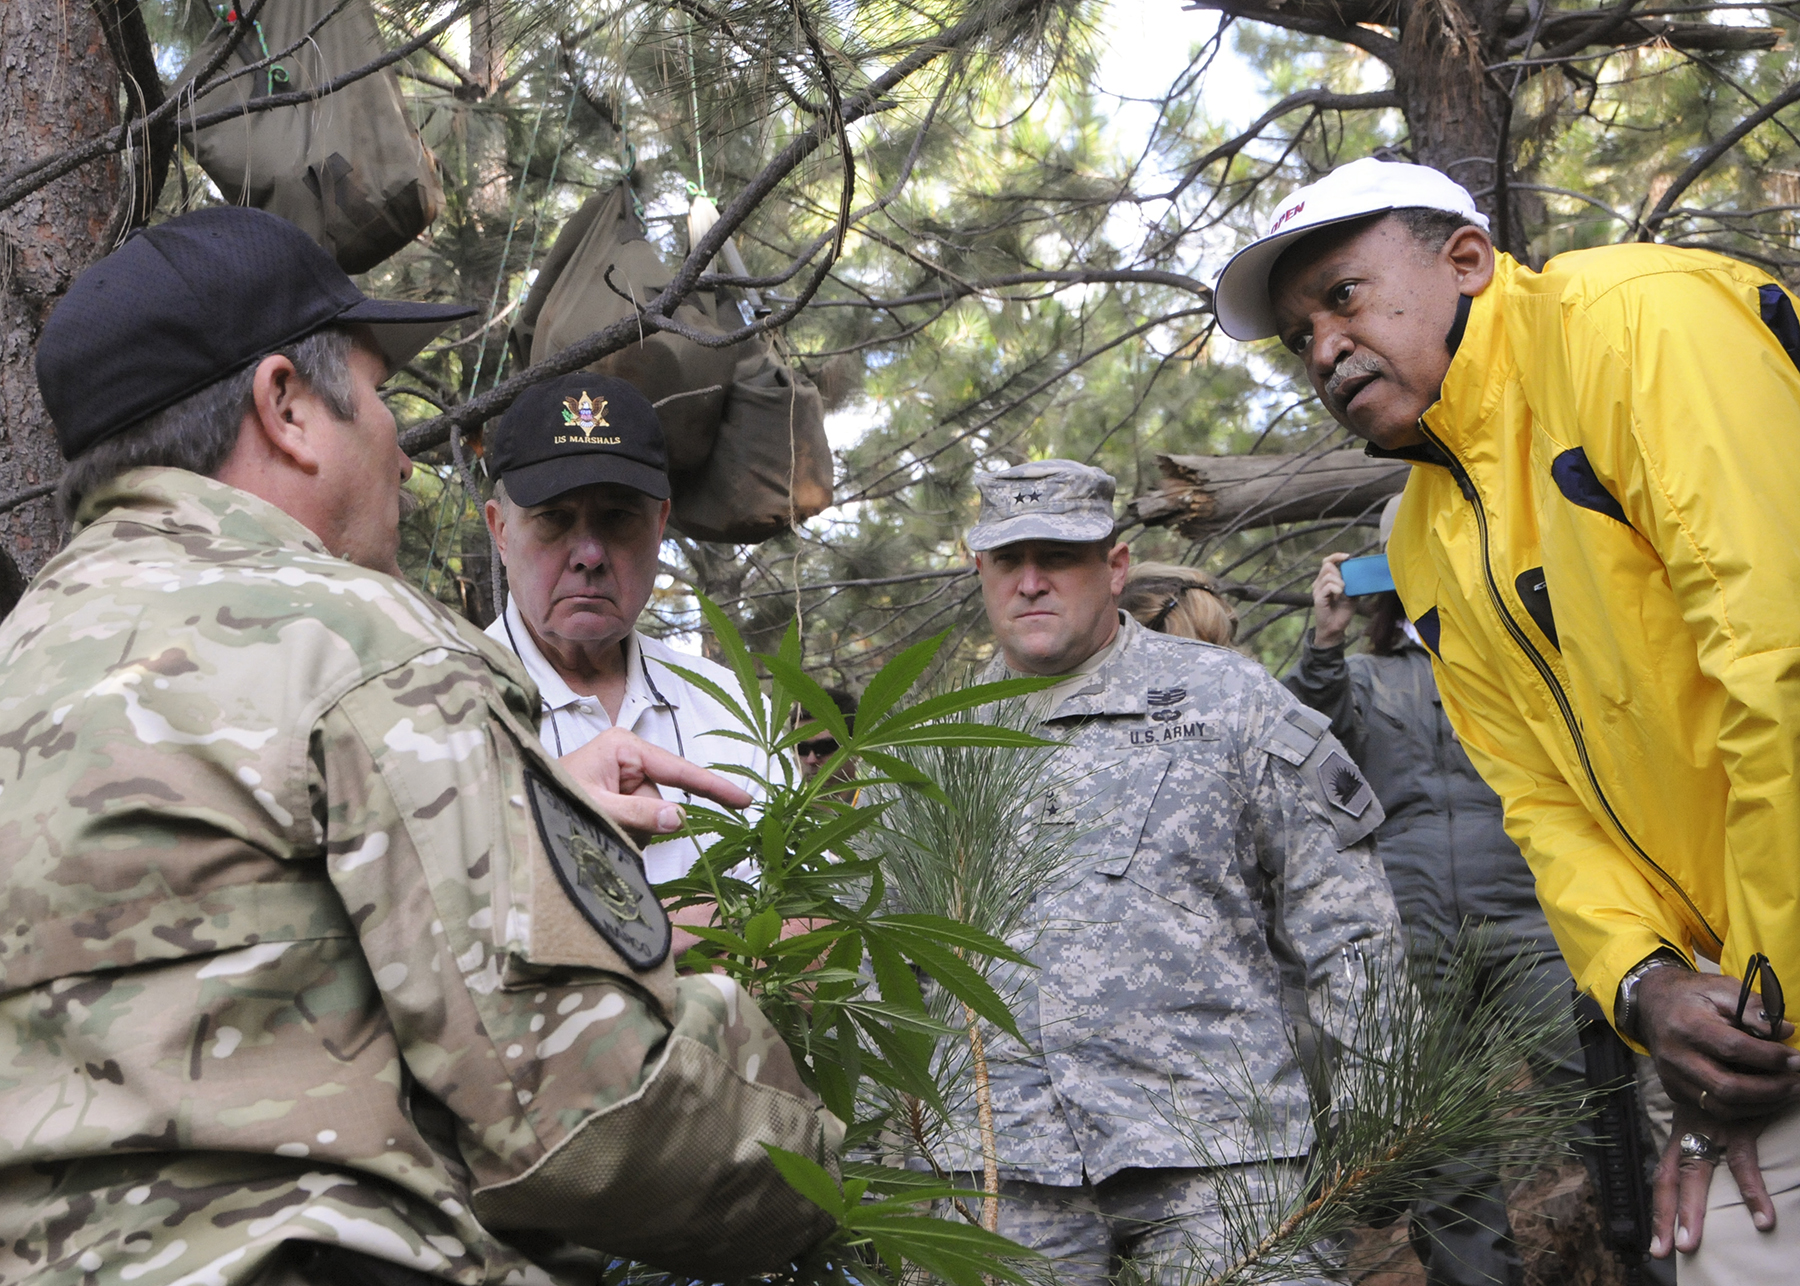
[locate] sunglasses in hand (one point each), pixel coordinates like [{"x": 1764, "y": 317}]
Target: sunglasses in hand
[{"x": 1773, "y": 1008}]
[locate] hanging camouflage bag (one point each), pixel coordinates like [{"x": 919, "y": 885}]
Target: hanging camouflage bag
[
  {"x": 771, "y": 468},
  {"x": 602, "y": 269},
  {"x": 748, "y": 456},
  {"x": 348, "y": 168}
]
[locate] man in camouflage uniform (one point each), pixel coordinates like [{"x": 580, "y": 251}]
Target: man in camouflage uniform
[
  {"x": 316, "y": 968},
  {"x": 1221, "y": 859}
]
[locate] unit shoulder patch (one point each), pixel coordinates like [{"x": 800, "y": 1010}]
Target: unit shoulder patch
[
  {"x": 1343, "y": 785},
  {"x": 601, "y": 876}
]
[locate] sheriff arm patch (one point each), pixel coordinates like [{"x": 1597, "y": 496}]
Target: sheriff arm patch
[{"x": 601, "y": 876}]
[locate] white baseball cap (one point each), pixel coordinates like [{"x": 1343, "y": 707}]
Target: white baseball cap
[{"x": 1354, "y": 191}]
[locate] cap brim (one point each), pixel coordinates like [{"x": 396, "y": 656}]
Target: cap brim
[
  {"x": 533, "y": 484},
  {"x": 1241, "y": 299},
  {"x": 401, "y": 328},
  {"x": 1010, "y": 531}
]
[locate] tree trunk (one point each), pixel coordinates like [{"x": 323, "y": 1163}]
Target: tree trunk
[
  {"x": 60, "y": 84},
  {"x": 487, "y": 47},
  {"x": 1456, "y": 113},
  {"x": 488, "y": 169}
]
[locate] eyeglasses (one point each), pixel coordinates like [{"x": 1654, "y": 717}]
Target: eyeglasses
[
  {"x": 1774, "y": 1006},
  {"x": 817, "y": 748}
]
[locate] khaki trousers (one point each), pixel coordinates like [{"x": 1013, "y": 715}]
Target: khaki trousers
[{"x": 1732, "y": 1252}]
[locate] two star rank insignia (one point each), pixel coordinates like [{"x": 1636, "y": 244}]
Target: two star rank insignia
[{"x": 600, "y": 874}]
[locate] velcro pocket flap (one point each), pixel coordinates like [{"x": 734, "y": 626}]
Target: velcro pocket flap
[
  {"x": 1110, "y": 807},
  {"x": 1294, "y": 737}
]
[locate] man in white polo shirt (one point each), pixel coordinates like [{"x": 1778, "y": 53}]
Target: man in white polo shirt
[{"x": 581, "y": 497}]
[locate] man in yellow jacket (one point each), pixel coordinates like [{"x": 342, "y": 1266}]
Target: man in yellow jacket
[{"x": 1600, "y": 546}]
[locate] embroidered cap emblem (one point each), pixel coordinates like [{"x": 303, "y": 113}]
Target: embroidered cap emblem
[
  {"x": 600, "y": 874},
  {"x": 1344, "y": 786},
  {"x": 585, "y": 414}
]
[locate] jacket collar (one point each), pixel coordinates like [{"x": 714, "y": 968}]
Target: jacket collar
[
  {"x": 1470, "y": 393},
  {"x": 1475, "y": 384},
  {"x": 186, "y": 504},
  {"x": 1106, "y": 692}
]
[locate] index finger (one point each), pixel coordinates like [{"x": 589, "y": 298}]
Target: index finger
[
  {"x": 1664, "y": 1188},
  {"x": 667, "y": 769},
  {"x": 1740, "y": 1051}
]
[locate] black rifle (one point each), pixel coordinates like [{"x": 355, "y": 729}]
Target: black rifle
[{"x": 1624, "y": 1200}]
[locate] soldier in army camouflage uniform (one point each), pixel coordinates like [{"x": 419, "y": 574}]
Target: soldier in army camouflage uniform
[
  {"x": 1222, "y": 848},
  {"x": 314, "y": 967}
]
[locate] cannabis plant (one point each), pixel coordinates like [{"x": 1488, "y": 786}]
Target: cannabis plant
[
  {"x": 888, "y": 920},
  {"x": 803, "y": 921}
]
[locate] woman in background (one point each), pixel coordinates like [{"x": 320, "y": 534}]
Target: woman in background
[{"x": 1183, "y": 601}]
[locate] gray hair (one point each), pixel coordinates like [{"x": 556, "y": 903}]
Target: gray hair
[
  {"x": 199, "y": 432},
  {"x": 1431, "y": 228}
]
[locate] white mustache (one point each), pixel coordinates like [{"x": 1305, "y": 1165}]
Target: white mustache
[{"x": 1352, "y": 367}]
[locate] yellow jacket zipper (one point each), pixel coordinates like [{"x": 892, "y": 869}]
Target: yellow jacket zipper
[{"x": 1466, "y": 484}]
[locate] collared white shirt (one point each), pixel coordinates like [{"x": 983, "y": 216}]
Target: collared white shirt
[{"x": 660, "y": 706}]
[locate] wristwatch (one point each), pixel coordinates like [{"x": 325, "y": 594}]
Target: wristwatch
[{"x": 1625, "y": 1009}]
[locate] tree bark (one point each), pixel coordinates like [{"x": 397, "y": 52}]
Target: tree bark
[
  {"x": 1458, "y": 116},
  {"x": 60, "y": 83},
  {"x": 1203, "y": 495},
  {"x": 1455, "y": 111}
]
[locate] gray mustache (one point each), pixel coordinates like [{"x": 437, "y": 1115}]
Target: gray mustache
[
  {"x": 409, "y": 503},
  {"x": 1354, "y": 366}
]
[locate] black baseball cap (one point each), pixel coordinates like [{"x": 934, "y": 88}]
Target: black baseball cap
[
  {"x": 185, "y": 303},
  {"x": 576, "y": 430}
]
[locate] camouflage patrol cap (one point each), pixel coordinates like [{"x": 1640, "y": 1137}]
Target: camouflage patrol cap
[{"x": 1044, "y": 500}]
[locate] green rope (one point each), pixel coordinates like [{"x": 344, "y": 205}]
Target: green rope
[
  {"x": 278, "y": 75},
  {"x": 481, "y": 353},
  {"x": 694, "y": 105},
  {"x": 512, "y": 226},
  {"x": 431, "y": 552},
  {"x": 464, "y": 484}
]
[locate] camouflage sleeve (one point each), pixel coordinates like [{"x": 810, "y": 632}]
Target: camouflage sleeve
[
  {"x": 1315, "y": 815},
  {"x": 594, "y": 1098}
]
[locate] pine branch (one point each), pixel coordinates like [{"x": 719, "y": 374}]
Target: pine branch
[
  {"x": 1700, "y": 164},
  {"x": 656, "y": 313},
  {"x": 963, "y": 289},
  {"x": 1327, "y": 18}
]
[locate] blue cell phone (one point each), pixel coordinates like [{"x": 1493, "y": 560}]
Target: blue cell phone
[{"x": 1366, "y": 575}]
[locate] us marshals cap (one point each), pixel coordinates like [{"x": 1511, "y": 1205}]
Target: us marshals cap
[
  {"x": 574, "y": 431},
  {"x": 1044, "y": 500},
  {"x": 190, "y": 301}
]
